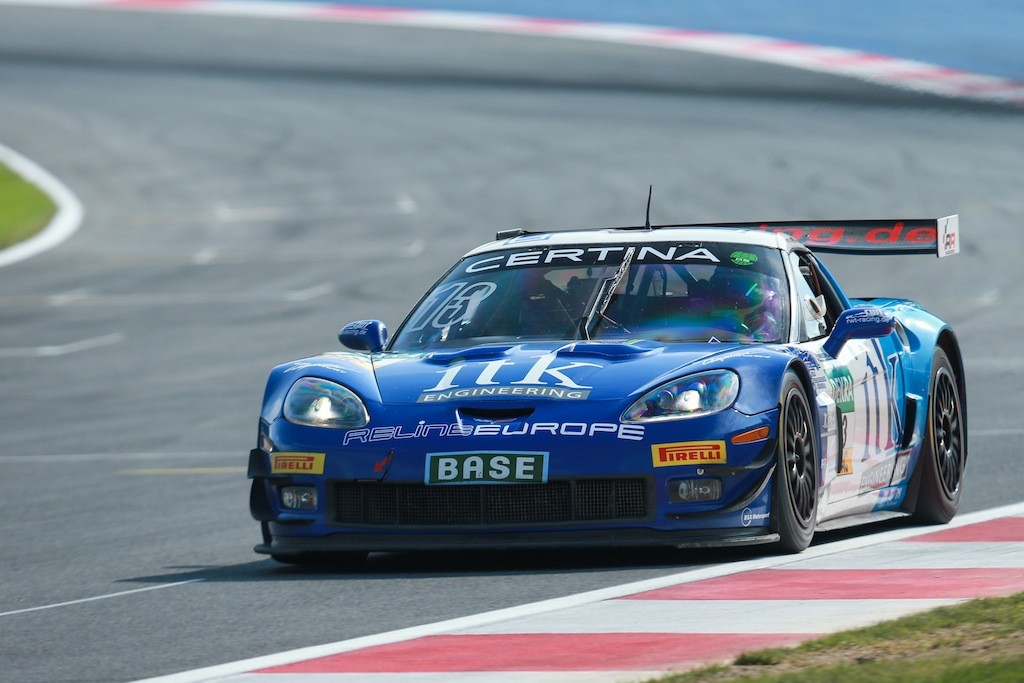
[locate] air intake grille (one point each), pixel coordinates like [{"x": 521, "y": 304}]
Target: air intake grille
[{"x": 559, "y": 501}]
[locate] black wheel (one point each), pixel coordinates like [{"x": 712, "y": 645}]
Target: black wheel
[
  {"x": 339, "y": 560},
  {"x": 795, "y": 499},
  {"x": 944, "y": 452}
]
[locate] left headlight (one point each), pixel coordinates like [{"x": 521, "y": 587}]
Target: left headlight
[
  {"x": 319, "y": 403},
  {"x": 691, "y": 396}
]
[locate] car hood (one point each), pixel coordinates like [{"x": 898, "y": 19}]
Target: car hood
[{"x": 529, "y": 372}]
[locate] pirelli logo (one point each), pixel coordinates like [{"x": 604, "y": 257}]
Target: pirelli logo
[
  {"x": 297, "y": 463},
  {"x": 688, "y": 453}
]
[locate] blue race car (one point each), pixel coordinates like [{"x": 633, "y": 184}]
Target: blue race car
[{"x": 685, "y": 385}]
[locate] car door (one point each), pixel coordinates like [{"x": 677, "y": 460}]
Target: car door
[{"x": 866, "y": 383}]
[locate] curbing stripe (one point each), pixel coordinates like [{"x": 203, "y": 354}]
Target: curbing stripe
[{"x": 477, "y": 621}]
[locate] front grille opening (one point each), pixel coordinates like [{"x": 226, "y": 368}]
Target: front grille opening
[
  {"x": 379, "y": 504},
  {"x": 496, "y": 414}
]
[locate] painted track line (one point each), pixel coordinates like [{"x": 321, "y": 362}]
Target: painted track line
[
  {"x": 64, "y": 223},
  {"x": 470, "y": 628},
  {"x": 874, "y": 68},
  {"x": 55, "y": 350},
  {"x": 165, "y": 456},
  {"x": 98, "y": 597}
]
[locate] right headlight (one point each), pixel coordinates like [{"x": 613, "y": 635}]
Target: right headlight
[
  {"x": 319, "y": 402},
  {"x": 691, "y": 396}
]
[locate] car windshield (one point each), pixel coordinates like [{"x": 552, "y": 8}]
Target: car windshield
[{"x": 669, "y": 292}]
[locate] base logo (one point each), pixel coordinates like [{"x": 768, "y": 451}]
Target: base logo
[
  {"x": 688, "y": 453},
  {"x": 297, "y": 463},
  {"x": 486, "y": 467}
]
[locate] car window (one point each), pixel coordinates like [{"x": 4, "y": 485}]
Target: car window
[
  {"x": 667, "y": 292},
  {"x": 813, "y": 323},
  {"x": 821, "y": 284}
]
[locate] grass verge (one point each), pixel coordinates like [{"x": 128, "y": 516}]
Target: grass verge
[
  {"x": 24, "y": 208},
  {"x": 981, "y": 640}
]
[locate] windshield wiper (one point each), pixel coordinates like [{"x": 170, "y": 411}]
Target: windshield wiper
[{"x": 605, "y": 293}]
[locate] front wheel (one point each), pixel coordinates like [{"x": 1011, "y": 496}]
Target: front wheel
[
  {"x": 795, "y": 499},
  {"x": 944, "y": 453}
]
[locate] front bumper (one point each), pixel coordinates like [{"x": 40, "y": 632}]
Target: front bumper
[
  {"x": 605, "y": 491},
  {"x": 376, "y": 542}
]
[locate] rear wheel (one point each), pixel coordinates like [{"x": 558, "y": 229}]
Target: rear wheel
[
  {"x": 944, "y": 454},
  {"x": 795, "y": 506}
]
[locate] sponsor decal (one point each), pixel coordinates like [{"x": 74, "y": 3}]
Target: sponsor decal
[
  {"x": 868, "y": 316},
  {"x": 900, "y": 469},
  {"x": 888, "y": 495},
  {"x": 881, "y": 236},
  {"x": 742, "y": 258},
  {"x": 423, "y": 430},
  {"x": 486, "y": 467},
  {"x": 950, "y": 229},
  {"x": 878, "y": 476},
  {"x": 841, "y": 381},
  {"x": 531, "y": 392},
  {"x": 748, "y": 517},
  {"x": 297, "y": 463},
  {"x": 305, "y": 365},
  {"x": 382, "y": 465},
  {"x": 732, "y": 355},
  {"x": 452, "y": 303},
  {"x": 546, "y": 379},
  {"x": 591, "y": 256},
  {"x": 688, "y": 453},
  {"x": 845, "y": 462}
]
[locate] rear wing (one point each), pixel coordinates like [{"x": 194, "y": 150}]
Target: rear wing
[{"x": 939, "y": 236}]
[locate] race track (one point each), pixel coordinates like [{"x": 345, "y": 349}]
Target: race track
[{"x": 251, "y": 185}]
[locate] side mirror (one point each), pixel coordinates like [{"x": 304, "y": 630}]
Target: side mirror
[
  {"x": 859, "y": 323},
  {"x": 364, "y": 335},
  {"x": 816, "y": 306}
]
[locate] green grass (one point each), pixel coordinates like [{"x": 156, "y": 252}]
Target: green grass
[
  {"x": 977, "y": 641},
  {"x": 24, "y": 209}
]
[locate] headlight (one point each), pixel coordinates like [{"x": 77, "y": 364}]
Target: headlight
[
  {"x": 690, "y": 396},
  {"x": 320, "y": 403}
]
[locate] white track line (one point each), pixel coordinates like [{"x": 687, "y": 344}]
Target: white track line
[
  {"x": 98, "y": 597},
  {"x": 580, "y": 599},
  {"x": 171, "y": 456},
  {"x": 62, "y": 349},
  {"x": 64, "y": 223}
]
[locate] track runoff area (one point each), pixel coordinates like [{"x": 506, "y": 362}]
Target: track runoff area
[
  {"x": 697, "y": 617},
  {"x": 904, "y": 74}
]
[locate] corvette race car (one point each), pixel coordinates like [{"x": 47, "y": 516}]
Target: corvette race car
[{"x": 682, "y": 385}]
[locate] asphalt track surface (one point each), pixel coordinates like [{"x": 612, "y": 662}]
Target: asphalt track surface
[{"x": 251, "y": 185}]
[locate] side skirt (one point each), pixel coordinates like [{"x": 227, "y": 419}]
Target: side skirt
[{"x": 857, "y": 520}]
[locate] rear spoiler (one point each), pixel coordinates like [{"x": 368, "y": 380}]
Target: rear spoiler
[{"x": 939, "y": 236}]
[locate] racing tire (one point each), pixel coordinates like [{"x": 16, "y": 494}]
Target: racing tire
[
  {"x": 338, "y": 560},
  {"x": 944, "y": 452},
  {"x": 795, "y": 495}
]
